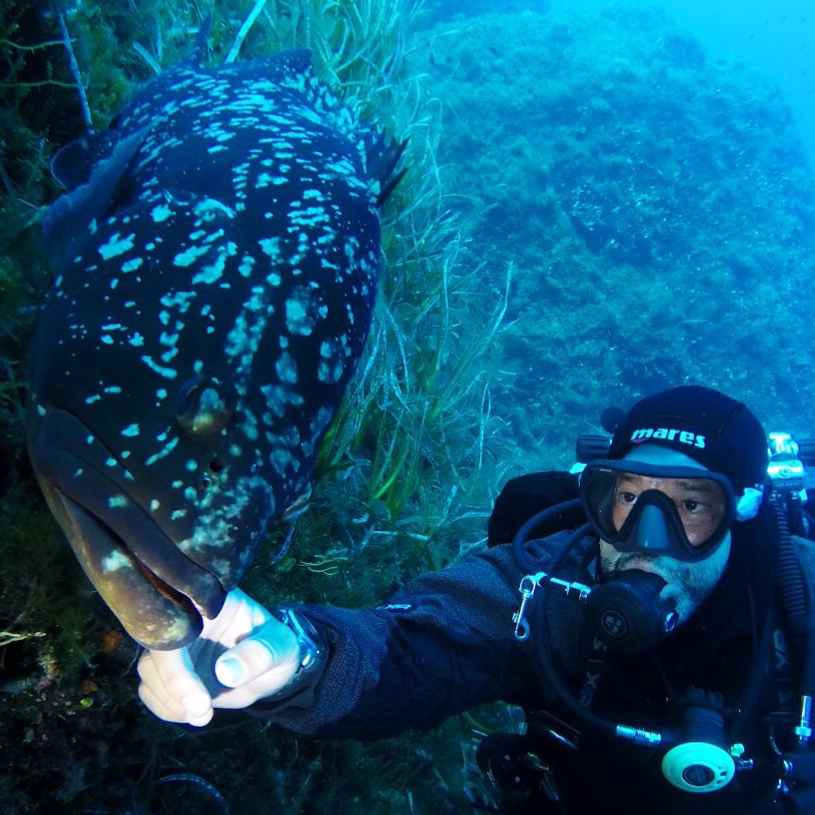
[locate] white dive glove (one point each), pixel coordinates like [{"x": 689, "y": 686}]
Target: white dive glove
[{"x": 242, "y": 655}]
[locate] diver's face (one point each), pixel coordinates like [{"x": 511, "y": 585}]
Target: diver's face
[
  {"x": 699, "y": 502},
  {"x": 701, "y": 507},
  {"x": 688, "y": 583}
]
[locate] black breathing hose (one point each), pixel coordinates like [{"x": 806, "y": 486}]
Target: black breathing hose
[
  {"x": 542, "y": 646},
  {"x": 796, "y": 597},
  {"x": 519, "y": 554}
]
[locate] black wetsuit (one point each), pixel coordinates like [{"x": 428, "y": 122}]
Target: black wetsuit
[{"x": 445, "y": 643}]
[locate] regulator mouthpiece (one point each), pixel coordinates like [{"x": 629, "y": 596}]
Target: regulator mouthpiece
[{"x": 627, "y": 612}]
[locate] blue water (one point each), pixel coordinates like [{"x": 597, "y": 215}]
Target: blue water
[{"x": 776, "y": 37}]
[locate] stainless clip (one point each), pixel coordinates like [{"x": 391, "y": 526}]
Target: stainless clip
[{"x": 527, "y": 588}]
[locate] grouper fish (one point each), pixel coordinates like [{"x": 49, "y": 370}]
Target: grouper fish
[{"x": 220, "y": 248}]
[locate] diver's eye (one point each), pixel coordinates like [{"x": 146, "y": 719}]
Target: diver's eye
[
  {"x": 204, "y": 405},
  {"x": 626, "y": 498}
]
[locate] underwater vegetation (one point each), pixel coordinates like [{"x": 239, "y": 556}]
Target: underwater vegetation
[
  {"x": 402, "y": 476},
  {"x": 593, "y": 210},
  {"x": 657, "y": 206}
]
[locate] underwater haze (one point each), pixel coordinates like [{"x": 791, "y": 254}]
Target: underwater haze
[
  {"x": 776, "y": 37},
  {"x": 654, "y": 199}
]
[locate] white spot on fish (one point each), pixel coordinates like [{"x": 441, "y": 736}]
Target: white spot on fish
[
  {"x": 167, "y": 373},
  {"x": 114, "y": 561},
  {"x": 180, "y": 300},
  {"x": 247, "y": 263},
  {"x": 301, "y": 311},
  {"x": 287, "y": 369},
  {"x": 117, "y": 245},
  {"x": 162, "y": 453},
  {"x": 214, "y": 272},
  {"x": 271, "y": 247},
  {"x": 189, "y": 256},
  {"x": 130, "y": 266},
  {"x": 161, "y": 213}
]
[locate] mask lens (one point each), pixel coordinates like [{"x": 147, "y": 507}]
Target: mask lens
[{"x": 622, "y": 505}]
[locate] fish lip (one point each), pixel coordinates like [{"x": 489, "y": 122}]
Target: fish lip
[
  {"x": 142, "y": 622},
  {"x": 158, "y": 594}
]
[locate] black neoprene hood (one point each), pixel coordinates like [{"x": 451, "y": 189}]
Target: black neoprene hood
[{"x": 713, "y": 429}]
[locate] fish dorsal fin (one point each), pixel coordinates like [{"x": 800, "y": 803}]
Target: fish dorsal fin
[
  {"x": 200, "y": 46},
  {"x": 65, "y": 222}
]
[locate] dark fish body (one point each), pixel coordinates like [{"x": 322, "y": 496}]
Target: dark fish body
[{"x": 221, "y": 248}]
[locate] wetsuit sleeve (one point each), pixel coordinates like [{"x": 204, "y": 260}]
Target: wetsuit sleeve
[{"x": 443, "y": 644}]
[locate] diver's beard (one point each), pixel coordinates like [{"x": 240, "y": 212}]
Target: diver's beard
[{"x": 688, "y": 584}]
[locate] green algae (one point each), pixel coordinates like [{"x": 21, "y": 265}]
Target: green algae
[{"x": 657, "y": 205}]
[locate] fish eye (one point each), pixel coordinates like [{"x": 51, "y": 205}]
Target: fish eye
[{"x": 204, "y": 405}]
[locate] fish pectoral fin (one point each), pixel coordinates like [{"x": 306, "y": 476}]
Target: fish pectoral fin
[
  {"x": 65, "y": 223},
  {"x": 382, "y": 156},
  {"x": 73, "y": 164}
]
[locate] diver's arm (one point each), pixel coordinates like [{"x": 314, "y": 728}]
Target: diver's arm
[{"x": 443, "y": 644}]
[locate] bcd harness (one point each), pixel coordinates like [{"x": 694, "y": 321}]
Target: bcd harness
[{"x": 697, "y": 755}]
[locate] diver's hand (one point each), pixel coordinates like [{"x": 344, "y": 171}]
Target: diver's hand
[{"x": 241, "y": 656}]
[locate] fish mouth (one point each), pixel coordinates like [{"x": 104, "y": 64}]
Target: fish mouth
[{"x": 157, "y": 593}]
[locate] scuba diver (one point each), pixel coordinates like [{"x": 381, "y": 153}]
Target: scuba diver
[{"x": 654, "y": 620}]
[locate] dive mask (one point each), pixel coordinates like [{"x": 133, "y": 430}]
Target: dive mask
[{"x": 682, "y": 512}]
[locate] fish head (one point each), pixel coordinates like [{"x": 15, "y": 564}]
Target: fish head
[{"x": 167, "y": 429}]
